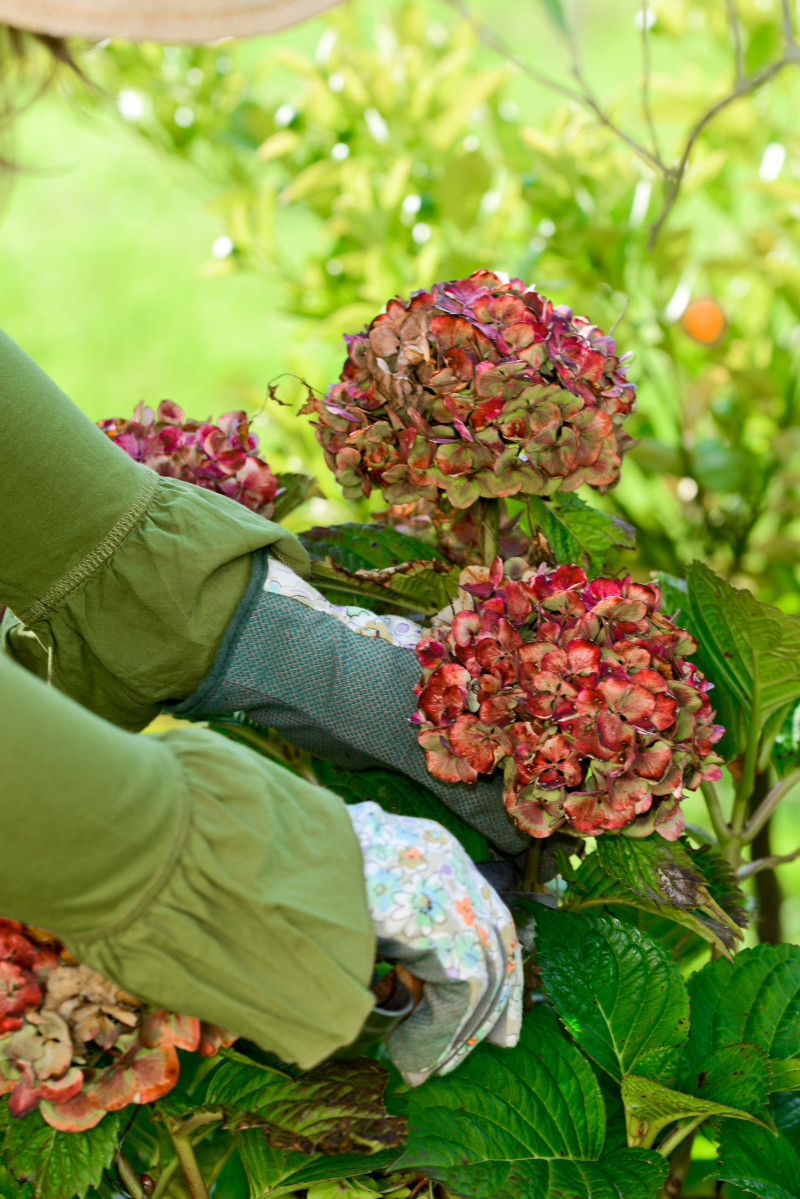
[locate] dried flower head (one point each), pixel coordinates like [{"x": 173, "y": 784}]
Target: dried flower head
[
  {"x": 479, "y": 387},
  {"x": 219, "y": 457},
  {"x": 581, "y": 690},
  {"x": 58, "y": 1016}
]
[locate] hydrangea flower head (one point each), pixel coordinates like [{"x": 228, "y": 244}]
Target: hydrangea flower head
[
  {"x": 479, "y": 387},
  {"x": 220, "y": 457},
  {"x": 581, "y": 690}
]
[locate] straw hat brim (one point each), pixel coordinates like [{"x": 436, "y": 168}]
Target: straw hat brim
[{"x": 173, "y": 21}]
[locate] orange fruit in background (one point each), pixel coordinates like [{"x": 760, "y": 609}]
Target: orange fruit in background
[{"x": 705, "y": 321}]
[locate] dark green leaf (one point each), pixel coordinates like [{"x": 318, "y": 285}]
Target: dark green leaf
[
  {"x": 580, "y": 534},
  {"x": 786, "y": 752},
  {"x": 759, "y": 1162},
  {"x": 671, "y": 875},
  {"x": 337, "y": 1108},
  {"x": 619, "y": 994},
  {"x": 739, "y": 1075},
  {"x": 11, "y": 1189},
  {"x": 293, "y": 490},
  {"x": 652, "y": 1106},
  {"x": 274, "y": 1172},
  {"x": 785, "y": 1109},
  {"x": 786, "y": 1075},
  {"x": 419, "y": 586},
  {"x": 398, "y": 794},
  {"x": 529, "y": 1122},
  {"x": 366, "y": 547},
  {"x": 750, "y": 649},
  {"x": 60, "y": 1164},
  {"x": 753, "y": 999}
]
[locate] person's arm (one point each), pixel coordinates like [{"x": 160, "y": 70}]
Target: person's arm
[{"x": 195, "y": 874}]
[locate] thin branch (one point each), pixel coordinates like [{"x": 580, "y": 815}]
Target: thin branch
[
  {"x": 769, "y": 804},
  {"x": 736, "y": 38},
  {"x": 585, "y": 97},
  {"x": 749, "y": 84},
  {"x": 718, "y": 821},
  {"x": 774, "y": 859},
  {"x": 646, "y": 107},
  {"x": 788, "y": 24}
]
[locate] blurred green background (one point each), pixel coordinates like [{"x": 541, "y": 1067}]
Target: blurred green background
[{"x": 208, "y": 219}]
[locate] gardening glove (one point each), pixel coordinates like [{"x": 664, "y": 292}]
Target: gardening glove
[
  {"x": 436, "y": 915},
  {"x": 338, "y": 681}
]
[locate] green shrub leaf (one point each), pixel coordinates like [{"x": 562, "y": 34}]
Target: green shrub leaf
[
  {"x": 786, "y": 1075},
  {"x": 753, "y": 999},
  {"x": 759, "y": 1162},
  {"x": 366, "y": 547},
  {"x": 60, "y": 1165},
  {"x": 337, "y": 1108},
  {"x": 398, "y": 794},
  {"x": 618, "y": 993},
  {"x": 739, "y": 1075},
  {"x": 526, "y": 1121},
  {"x": 580, "y": 534},
  {"x": 11, "y": 1189}
]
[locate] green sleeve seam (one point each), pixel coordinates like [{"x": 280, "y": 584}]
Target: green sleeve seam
[
  {"x": 153, "y": 889},
  {"x": 96, "y": 556}
]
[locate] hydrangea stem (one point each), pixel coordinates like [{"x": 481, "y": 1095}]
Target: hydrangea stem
[{"x": 488, "y": 529}]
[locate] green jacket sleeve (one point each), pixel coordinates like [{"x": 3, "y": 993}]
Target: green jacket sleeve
[
  {"x": 121, "y": 583},
  {"x": 195, "y": 874}
]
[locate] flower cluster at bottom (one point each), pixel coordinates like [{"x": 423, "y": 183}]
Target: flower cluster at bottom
[
  {"x": 581, "y": 690},
  {"x": 76, "y": 1045}
]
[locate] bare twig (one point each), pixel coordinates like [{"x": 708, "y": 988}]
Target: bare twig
[
  {"x": 736, "y": 38},
  {"x": 774, "y": 859},
  {"x": 646, "y": 107},
  {"x": 718, "y": 821}
]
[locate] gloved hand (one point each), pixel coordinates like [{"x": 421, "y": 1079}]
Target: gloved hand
[
  {"x": 436, "y": 915},
  {"x": 337, "y": 680}
]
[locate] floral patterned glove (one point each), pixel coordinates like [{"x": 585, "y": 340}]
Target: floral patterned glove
[{"x": 436, "y": 915}]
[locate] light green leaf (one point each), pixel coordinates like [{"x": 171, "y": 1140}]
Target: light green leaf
[
  {"x": 786, "y": 1075},
  {"x": 398, "y": 794},
  {"x": 618, "y": 993},
  {"x": 336, "y": 1108},
  {"x": 293, "y": 490},
  {"x": 653, "y": 1106},
  {"x": 759, "y": 1162},
  {"x": 60, "y": 1164},
  {"x": 556, "y": 14},
  {"x": 752, "y": 649},
  {"x": 580, "y": 534},
  {"x": 753, "y": 999},
  {"x": 526, "y": 1121}
]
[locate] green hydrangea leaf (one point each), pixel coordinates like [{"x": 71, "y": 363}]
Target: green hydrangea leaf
[
  {"x": 403, "y": 797},
  {"x": 419, "y": 586},
  {"x": 337, "y": 1108},
  {"x": 753, "y": 999},
  {"x": 366, "y": 547},
  {"x": 580, "y": 534},
  {"x": 11, "y": 1189},
  {"x": 293, "y": 490},
  {"x": 739, "y": 1075},
  {"x": 786, "y": 1075},
  {"x": 670, "y": 875},
  {"x": 60, "y": 1165},
  {"x": 785, "y": 1109},
  {"x": 651, "y": 1106},
  {"x": 276, "y": 1172},
  {"x": 618, "y": 993},
  {"x": 749, "y": 649},
  {"x": 786, "y": 751},
  {"x": 526, "y": 1121},
  {"x": 763, "y": 1164}
]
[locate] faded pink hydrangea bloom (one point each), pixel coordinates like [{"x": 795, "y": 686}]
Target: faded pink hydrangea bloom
[
  {"x": 581, "y": 690},
  {"x": 219, "y": 457},
  {"x": 479, "y": 387}
]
